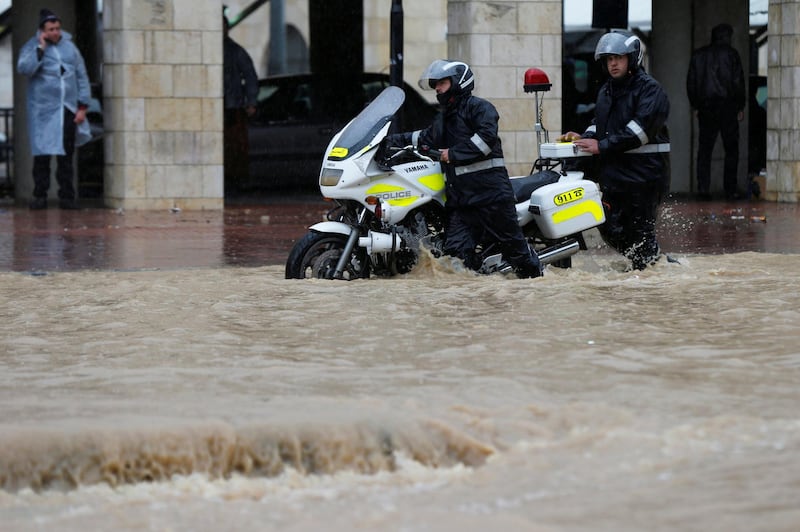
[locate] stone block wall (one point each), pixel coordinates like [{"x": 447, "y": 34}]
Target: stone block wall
[
  {"x": 783, "y": 110},
  {"x": 500, "y": 41},
  {"x": 424, "y": 33},
  {"x": 163, "y": 95}
]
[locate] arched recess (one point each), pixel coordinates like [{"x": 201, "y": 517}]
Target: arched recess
[
  {"x": 297, "y": 58},
  {"x": 296, "y": 51}
]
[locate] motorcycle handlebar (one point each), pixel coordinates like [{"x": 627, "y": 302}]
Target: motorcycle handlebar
[
  {"x": 434, "y": 154},
  {"x": 423, "y": 152}
]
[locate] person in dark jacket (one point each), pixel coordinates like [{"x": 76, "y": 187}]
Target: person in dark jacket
[
  {"x": 480, "y": 200},
  {"x": 240, "y": 85},
  {"x": 715, "y": 86},
  {"x": 630, "y": 136}
]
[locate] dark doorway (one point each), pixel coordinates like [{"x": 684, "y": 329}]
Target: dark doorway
[
  {"x": 91, "y": 156},
  {"x": 337, "y": 54}
]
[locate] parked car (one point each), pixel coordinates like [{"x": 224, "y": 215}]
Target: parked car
[
  {"x": 287, "y": 136},
  {"x": 290, "y": 131}
]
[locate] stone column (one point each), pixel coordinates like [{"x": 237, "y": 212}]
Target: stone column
[
  {"x": 500, "y": 41},
  {"x": 424, "y": 32},
  {"x": 162, "y": 83},
  {"x": 783, "y": 108}
]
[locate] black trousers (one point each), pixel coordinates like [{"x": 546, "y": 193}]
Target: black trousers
[
  {"x": 712, "y": 122},
  {"x": 485, "y": 224},
  {"x": 65, "y": 173},
  {"x": 630, "y": 226}
]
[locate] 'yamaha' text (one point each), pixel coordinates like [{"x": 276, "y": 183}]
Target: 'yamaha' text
[{"x": 415, "y": 168}]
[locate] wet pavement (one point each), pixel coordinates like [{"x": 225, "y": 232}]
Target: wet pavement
[{"x": 261, "y": 234}]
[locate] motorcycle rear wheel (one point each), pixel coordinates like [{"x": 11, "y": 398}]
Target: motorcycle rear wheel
[{"x": 316, "y": 254}]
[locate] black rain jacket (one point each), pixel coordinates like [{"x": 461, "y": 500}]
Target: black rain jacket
[
  {"x": 716, "y": 77},
  {"x": 468, "y": 127},
  {"x": 630, "y": 113},
  {"x": 240, "y": 79}
]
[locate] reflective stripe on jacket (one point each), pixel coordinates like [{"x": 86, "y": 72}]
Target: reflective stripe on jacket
[
  {"x": 468, "y": 128},
  {"x": 632, "y": 113}
]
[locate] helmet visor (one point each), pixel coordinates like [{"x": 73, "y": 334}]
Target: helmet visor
[
  {"x": 432, "y": 74},
  {"x": 617, "y": 44}
]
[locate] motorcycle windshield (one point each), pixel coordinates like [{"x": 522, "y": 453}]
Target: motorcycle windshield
[{"x": 363, "y": 128}]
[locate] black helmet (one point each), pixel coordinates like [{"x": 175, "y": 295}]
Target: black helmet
[
  {"x": 461, "y": 78},
  {"x": 618, "y": 43}
]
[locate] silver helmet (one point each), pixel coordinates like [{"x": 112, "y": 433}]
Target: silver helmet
[
  {"x": 461, "y": 77},
  {"x": 618, "y": 43}
]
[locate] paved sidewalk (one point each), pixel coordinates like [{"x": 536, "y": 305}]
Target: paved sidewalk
[
  {"x": 262, "y": 234},
  {"x": 108, "y": 239}
]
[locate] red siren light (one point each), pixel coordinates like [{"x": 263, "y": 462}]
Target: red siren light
[{"x": 536, "y": 80}]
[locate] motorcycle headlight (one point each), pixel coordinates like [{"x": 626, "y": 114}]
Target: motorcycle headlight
[{"x": 329, "y": 177}]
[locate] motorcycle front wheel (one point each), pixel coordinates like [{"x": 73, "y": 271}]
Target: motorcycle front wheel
[{"x": 316, "y": 255}]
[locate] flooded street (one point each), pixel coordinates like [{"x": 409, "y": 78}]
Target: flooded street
[{"x": 230, "y": 398}]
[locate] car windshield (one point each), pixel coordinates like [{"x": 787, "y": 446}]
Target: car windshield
[{"x": 366, "y": 125}]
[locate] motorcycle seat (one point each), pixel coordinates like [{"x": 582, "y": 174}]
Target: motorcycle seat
[{"x": 524, "y": 186}]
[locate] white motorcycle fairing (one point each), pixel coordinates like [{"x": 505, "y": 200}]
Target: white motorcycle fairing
[
  {"x": 385, "y": 207},
  {"x": 331, "y": 227},
  {"x": 350, "y": 170}
]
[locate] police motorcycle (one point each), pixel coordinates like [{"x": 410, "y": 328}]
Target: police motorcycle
[{"x": 389, "y": 207}]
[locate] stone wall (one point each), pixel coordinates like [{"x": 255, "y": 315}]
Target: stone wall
[
  {"x": 163, "y": 95},
  {"x": 424, "y": 33},
  {"x": 500, "y": 41},
  {"x": 783, "y": 109}
]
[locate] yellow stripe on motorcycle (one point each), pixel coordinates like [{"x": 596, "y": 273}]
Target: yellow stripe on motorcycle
[
  {"x": 573, "y": 211},
  {"x": 338, "y": 152},
  {"x": 363, "y": 150},
  {"x": 434, "y": 182},
  {"x": 387, "y": 193},
  {"x": 402, "y": 202},
  {"x": 383, "y": 189}
]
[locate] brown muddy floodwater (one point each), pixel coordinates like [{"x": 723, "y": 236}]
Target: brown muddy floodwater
[{"x": 232, "y": 399}]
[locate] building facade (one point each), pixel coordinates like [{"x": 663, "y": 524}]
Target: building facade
[{"x": 162, "y": 79}]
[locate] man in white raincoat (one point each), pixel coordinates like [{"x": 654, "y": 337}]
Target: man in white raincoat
[{"x": 58, "y": 95}]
